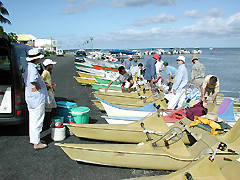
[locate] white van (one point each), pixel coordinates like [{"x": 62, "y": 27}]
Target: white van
[{"x": 59, "y": 52}]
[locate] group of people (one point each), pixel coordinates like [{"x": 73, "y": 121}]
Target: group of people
[
  {"x": 177, "y": 78},
  {"x": 39, "y": 94}
]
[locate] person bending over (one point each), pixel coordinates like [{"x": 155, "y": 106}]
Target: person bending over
[
  {"x": 211, "y": 87},
  {"x": 123, "y": 77}
]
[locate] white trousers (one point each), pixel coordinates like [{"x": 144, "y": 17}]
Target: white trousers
[
  {"x": 36, "y": 117},
  {"x": 176, "y": 99}
]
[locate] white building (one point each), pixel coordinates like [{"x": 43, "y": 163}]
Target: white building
[{"x": 45, "y": 44}]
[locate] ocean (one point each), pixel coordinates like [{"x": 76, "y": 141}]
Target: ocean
[{"x": 224, "y": 63}]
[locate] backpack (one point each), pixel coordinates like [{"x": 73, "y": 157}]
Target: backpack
[{"x": 197, "y": 110}]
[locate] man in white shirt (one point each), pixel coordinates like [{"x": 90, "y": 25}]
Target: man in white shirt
[
  {"x": 123, "y": 77},
  {"x": 178, "y": 95}
]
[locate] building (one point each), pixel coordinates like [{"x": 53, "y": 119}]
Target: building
[
  {"x": 45, "y": 44},
  {"x": 27, "y": 39}
]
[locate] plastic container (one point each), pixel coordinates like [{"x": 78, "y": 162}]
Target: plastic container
[
  {"x": 64, "y": 107},
  {"x": 80, "y": 115},
  {"x": 58, "y": 133},
  {"x": 57, "y": 121},
  {"x": 69, "y": 119}
]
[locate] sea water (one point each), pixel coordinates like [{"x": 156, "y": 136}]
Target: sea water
[{"x": 224, "y": 63}]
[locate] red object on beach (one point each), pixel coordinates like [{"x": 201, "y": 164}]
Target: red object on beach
[
  {"x": 174, "y": 115},
  {"x": 104, "y": 68}
]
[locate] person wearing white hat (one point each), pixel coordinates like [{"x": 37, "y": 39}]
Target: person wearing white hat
[
  {"x": 178, "y": 95},
  {"x": 46, "y": 76},
  {"x": 36, "y": 97}
]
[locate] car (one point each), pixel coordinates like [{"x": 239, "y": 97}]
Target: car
[
  {"x": 59, "y": 52},
  {"x": 80, "y": 56},
  {"x": 13, "y": 108}
]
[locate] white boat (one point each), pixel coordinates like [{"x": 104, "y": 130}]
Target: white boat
[
  {"x": 121, "y": 120},
  {"x": 114, "y": 110}
]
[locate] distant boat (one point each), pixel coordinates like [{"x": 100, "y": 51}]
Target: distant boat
[{"x": 211, "y": 49}]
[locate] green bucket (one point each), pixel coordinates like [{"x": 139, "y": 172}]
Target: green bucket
[
  {"x": 57, "y": 119},
  {"x": 80, "y": 114}
]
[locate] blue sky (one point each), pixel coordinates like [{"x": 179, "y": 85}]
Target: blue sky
[{"x": 128, "y": 23}]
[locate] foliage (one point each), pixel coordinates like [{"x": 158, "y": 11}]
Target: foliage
[
  {"x": 3, "y": 11},
  {"x": 1, "y": 30},
  {"x": 49, "y": 53},
  {"x": 13, "y": 37}
]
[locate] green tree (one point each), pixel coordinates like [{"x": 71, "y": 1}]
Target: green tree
[
  {"x": 13, "y": 37},
  {"x": 3, "y": 11}
]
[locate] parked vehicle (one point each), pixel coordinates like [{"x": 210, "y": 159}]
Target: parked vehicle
[
  {"x": 80, "y": 56},
  {"x": 13, "y": 109},
  {"x": 59, "y": 52}
]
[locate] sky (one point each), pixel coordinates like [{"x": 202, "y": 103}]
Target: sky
[{"x": 128, "y": 24}]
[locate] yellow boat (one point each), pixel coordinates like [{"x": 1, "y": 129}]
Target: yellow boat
[
  {"x": 133, "y": 132},
  {"x": 85, "y": 80},
  {"x": 134, "y": 102},
  {"x": 128, "y": 133},
  {"x": 87, "y": 75},
  {"x": 166, "y": 152},
  {"x": 203, "y": 169}
]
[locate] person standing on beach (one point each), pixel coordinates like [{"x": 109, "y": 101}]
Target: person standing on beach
[
  {"x": 150, "y": 73},
  {"x": 46, "y": 76},
  {"x": 36, "y": 97},
  {"x": 171, "y": 72},
  {"x": 210, "y": 86},
  {"x": 176, "y": 99},
  {"x": 128, "y": 64},
  {"x": 123, "y": 77},
  {"x": 197, "y": 74}
]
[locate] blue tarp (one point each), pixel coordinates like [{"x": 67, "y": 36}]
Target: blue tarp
[{"x": 121, "y": 51}]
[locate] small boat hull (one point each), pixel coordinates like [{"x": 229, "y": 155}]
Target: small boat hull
[
  {"x": 88, "y": 81},
  {"x": 128, "y": 133}
]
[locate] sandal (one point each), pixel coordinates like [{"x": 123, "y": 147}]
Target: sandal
[{"x": 39, "y": 146}]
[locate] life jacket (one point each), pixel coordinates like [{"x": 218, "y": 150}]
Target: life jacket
[
  {"x": 197, "y": 110},
  {"x": 215, "y": 127}
]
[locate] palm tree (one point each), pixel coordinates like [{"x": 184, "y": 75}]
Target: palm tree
[{"x": 3, "y": 11}]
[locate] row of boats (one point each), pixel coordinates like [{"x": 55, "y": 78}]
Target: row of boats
[{"x": 152, "y": 137}]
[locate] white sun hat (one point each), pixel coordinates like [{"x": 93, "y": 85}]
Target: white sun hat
[
  {"x": 130, "y": 56},
  {"x": 47, "y": 62},
  {"x": 182, "y": 58},
  {"x": 34, "y": 54}
]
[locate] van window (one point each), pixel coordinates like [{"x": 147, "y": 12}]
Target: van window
[{"x": 5, "y": 70}]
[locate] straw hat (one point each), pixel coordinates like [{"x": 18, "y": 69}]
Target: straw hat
[
  {"x": 212, "y": 116},
  {"x": 34, "y": 54}
]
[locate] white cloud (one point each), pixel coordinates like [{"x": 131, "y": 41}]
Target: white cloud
[
  {"x": 209, "y": 14},
  {"x": 140, "y": 3},
  {"x": 193, "y": 14},
  {"x": 206, "y": 30},
  {"x": 78, "y": 6},
  {"x": 159, "y": 19},
  {"x": 74, "y": 6},
  {"x": 215, "y": 13}
]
